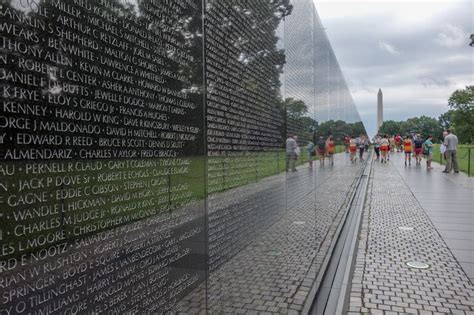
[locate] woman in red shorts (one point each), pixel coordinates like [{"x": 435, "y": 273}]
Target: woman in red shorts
[{"x": 384, "y": 148}]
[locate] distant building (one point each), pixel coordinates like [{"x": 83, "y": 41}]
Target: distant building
[{"x": 379, "y": 109}]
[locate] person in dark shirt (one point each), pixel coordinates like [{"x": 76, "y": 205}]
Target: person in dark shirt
[
  {"x": 418, "y": 143},
  {"x": 321, "y": 150}
]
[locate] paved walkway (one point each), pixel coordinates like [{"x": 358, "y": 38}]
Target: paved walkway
[
  {"x": 382, "y": 282},
  {"x": 448, "y": 200}
]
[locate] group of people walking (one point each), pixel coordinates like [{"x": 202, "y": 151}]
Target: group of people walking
[
  {"x": 324, "y": 148},
  {"x": 354, "y": 144},
  {"x": 418, "y": 147},
  {"x": 413, "y": 146}
]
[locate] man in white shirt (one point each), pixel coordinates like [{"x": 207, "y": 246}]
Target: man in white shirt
[
  {"x": 451, "y": 143},
  {"x": 291, "y": 155}
]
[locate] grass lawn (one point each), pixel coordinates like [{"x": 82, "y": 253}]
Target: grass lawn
[{"x": 463, "y": 157}]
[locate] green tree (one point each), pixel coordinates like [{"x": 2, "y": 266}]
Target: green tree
[
  {"x": 425, "y": 126},
  {"x": 446, "y": 119},
  {"x": 462, "y": 103},
  {"x": 295, "y": 109},
  {"x": 391, "y": 127}
]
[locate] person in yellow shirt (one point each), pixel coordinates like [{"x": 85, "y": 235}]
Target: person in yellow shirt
[
  {"x": 330, "y": 149},
  {"x": 408, "y": 148}
]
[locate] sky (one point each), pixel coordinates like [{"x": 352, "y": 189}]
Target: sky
[{"x": 416, "y": 51}]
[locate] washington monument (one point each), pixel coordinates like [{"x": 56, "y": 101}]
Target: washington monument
[{"x": 379, "y": 109}]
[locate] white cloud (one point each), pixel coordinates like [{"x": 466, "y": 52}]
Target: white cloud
[
  {"x": 403, "y": 47},
  {"x": 389, "y": 48},
  {"x": 452, "y": 36}
]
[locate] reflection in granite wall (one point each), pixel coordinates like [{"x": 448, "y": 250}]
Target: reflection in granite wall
[
  {"x": 244, "y": 119},
  {"x": 142, "y": 152},
  {"x": 102, "y": 149}
]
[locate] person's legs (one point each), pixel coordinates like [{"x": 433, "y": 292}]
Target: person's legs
[
  {"x": 454, "y": 159},
  {"x": 448, "y": 161},
  {"x": 293, "y": 163},
  {"x": 310, "y": 161}
]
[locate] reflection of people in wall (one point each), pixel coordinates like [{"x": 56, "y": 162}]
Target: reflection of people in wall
[
  {"x": 297, "y": 150},
  {"x": 321, "y": 150},
  {"x": 353, "y": 149},
  {"x": 361, "y": 145},
  {"x": 291, "y": 156},
  {"x": 330, "y": 148},
  {"x": 311, "y": 149},
  {"x": 347, "y": 142}
]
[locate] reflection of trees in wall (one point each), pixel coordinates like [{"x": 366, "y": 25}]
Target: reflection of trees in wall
[
  {"x": 247, "y": 41},
  {"x": 185, "y": 26},
  {"x": 297, "y": 120},
  {"x": 340, "y": 128}
]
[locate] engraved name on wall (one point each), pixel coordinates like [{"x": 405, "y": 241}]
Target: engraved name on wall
[{"x": 100, "y": 138}]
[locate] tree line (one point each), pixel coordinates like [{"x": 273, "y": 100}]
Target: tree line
[
  {"x": 299, "y": 122},
  {"x": 459, "y": 117}
]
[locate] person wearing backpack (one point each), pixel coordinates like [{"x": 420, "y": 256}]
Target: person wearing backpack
[
  {"x": 418, "y": 143},
  {"x": 428, "y": 151}
]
